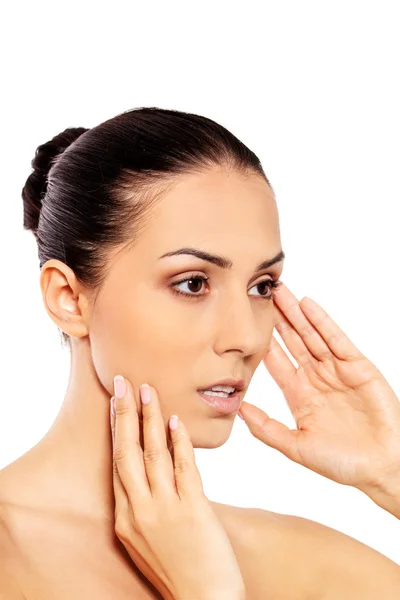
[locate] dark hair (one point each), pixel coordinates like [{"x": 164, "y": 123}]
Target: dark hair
[{"x": 92, "y": 189}]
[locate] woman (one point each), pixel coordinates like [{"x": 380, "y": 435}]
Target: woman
[{"x": 127, "y": 215}]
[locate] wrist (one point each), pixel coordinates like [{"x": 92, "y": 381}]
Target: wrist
[{"x": 385, "y": 492}]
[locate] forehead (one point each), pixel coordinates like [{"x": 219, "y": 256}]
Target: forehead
[
  {"x": 217, "y": 201},
  {"x": 223, "y": 213}
]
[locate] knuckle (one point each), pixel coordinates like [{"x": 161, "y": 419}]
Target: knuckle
[
  {"x": 152, "y": 454},
  {"x": 147, "y": 416},
  {"x": 336, "y": 336},
  {"x": 308, "y": 331},
  {"x": 129, "y": 523},
  {"x": 283, "y": 327},
  {"x": 305, "y": 359},
  {"x": 264, "y": 424},
  {"x": 122, "y": 406},
  {"x": 121, "y": 526},
  {"x": 178, "y": 438},
  {"x": 181, "y": 465},
  {"x": 121, "y": 451}
]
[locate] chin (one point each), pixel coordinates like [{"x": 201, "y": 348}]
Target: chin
[
  {"x": 211, "y": 444},
  {"x": 212, "y": 435}
]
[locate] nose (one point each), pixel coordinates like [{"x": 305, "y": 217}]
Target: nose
[{"x": 243, "y": 324}]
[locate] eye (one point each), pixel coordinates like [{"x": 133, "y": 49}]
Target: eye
[
  {"x": 196, "y": 281},
  {"x": 272, "y": 285},
  {"x": 191, "y": 282}
]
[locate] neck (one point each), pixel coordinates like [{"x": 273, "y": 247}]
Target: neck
[{"x": 70, "y": 469}]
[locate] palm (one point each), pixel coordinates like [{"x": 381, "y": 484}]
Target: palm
[
  {"x": 346, "y": 413},
  {"x": 344, "y": 418}
]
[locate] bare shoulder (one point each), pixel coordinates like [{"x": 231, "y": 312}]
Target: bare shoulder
[
  {"x": 302, "y": 559},
  {"x": 270, "y": 554},
  {"x": 9, "y": 588}
]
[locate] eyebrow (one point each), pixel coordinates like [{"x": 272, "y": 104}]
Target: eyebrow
[{"x": 222, "y": 261}]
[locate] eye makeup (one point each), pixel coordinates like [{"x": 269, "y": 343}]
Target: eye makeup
[{"x": 273, "y": 284}]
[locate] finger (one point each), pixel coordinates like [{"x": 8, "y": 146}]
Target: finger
[
  {"x": 278, "y": 364},
  {"x": 127, "y": 452},
  {"x": 320, "y": 334},
  {"x": 187, "y": 477},
  {"x": 336, "y": 339},
  {"x": 300, "y": 336},
  {"x": 156, "y": 456},
  {"x": 120, "y": 495},
  {"x": 271, "y": 432},
  {"x": 288, "y": 377}
]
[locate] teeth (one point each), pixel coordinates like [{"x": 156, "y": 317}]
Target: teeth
[
  {"x": 221, "y": 394},
  {"x": 223, "y": 391},
  {"x": 222, "y": 388}
]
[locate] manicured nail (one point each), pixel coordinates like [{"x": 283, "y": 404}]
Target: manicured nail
[
  {"x": 173, "y": 422},
  {"x": 240, "y": 415},
  {"x": 145, "y": 393},
  {"x": 119, "y": 386}
]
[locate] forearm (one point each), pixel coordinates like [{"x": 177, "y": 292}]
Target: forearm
[{"x": 386, "y": 494}]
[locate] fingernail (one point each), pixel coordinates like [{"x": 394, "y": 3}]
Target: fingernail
[
  {"x": 119, "y": 386},
  {"x": 240, "y": 415},
  {"x": 112, "y": 403},
  {"x": 173, "y": 422},
  {"x": 145, "y": 393}
]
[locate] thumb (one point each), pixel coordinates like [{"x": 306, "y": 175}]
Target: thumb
[{"x": 271, "y": 432}]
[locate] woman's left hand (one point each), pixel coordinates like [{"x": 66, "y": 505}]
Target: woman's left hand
[{"x": 347, "y": 415}]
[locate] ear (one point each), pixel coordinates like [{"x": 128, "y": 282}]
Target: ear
[{"x": 64, "y": 298}]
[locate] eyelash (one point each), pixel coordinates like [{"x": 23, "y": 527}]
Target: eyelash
[{"x": 275, "y": 284}]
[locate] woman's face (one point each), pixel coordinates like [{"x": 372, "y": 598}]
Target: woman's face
[{"x": 144, "y": 330}]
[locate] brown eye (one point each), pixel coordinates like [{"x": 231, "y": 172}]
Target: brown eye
[
  {"x": 270, "y": 284},
  {"x": 194, "y": 285},
  {"x": 264, "y": 287}
]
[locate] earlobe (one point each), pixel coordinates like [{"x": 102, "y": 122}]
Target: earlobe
[{"x": 63, "y": 298}]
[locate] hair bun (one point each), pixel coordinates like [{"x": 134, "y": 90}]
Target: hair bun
[{"x": 36, "y": 185}]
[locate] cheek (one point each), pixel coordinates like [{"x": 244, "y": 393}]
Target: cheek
[
  {"x": 141, "y": 337},
  {"x": 113, "y": 333}
]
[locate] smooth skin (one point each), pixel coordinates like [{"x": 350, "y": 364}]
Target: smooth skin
[
  {"x": 149, "y": 545},
  {"x": 346, "y": 413},
  {"x": 162, "y": 515},
  {"x": 137, "y": 326}
]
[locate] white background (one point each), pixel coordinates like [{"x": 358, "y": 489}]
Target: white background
[{"x": 313, "y": 89}]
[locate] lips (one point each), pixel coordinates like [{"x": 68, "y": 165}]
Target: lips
[
  {"x": 238, "y": 384},
  {"x": 221, "y": 405}
]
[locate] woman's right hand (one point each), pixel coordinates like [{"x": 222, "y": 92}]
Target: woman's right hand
[{"x": 162, "y": 516}]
